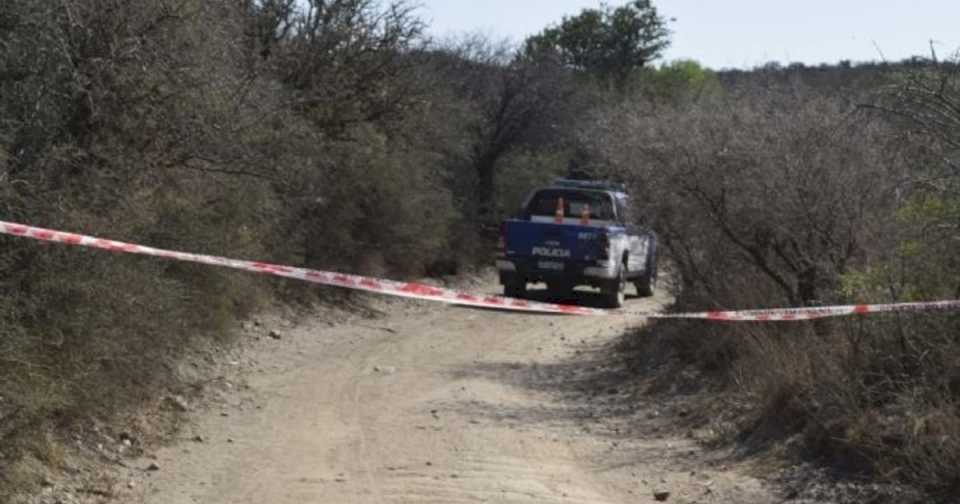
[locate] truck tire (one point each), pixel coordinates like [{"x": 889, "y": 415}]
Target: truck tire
[
  {"x": 515, "y": 289},
  {"x": 560, "y": 289},
  {"x": 647, "y": 283},
  {"x": 615, "y": 293}
]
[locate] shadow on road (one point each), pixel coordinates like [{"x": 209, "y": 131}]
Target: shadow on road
[
  {"x": 580, "y": 297},
  {"x": 602, "y": 389},
  {"x": 590, "y": 298},
  {"x": 595, "y": 384}
]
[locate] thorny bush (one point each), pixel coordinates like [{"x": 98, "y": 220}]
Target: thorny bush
[{"x": 783, "y": 195}]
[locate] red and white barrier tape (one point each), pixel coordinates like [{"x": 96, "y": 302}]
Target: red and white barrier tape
[
  {"x": 811, "y": 313},
  {"x": 431, "y": 293},
  {"x": 401, "y": 289}
]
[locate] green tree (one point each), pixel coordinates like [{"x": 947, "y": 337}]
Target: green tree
[
  {"x": 607, "y": 42},
  {"x": 679, "y": 80}
]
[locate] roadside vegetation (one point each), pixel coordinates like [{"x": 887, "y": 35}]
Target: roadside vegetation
[
  {"x": 337, "y": 135},
  {"x": 782, "y": 190}
]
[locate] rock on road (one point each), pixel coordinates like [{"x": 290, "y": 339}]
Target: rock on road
[{"x": 424, "y": 405}]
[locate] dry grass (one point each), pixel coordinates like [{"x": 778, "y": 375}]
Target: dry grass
[{"x": 874, "y": 398}]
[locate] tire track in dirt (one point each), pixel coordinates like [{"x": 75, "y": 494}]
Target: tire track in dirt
[{"x": 493, "y": 479}]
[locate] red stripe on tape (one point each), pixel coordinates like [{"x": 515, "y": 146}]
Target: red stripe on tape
[
  {"x": 71, "y": 239},
  {"x": 371, "y": 284},
  {"x": 422, "y": 290}
]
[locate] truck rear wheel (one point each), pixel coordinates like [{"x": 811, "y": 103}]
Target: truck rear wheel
[
  {"x": 615, "y": 293},
  {"x": 560, "y": 289},
  {"x": 515, "y": 289},
  {"x": 647, "y": 283}
]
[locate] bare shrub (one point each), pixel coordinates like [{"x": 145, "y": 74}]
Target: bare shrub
[
  {"x": 765, "y": 181},
  {"x": 382, "y": 205},
  {"x": 113, "y": 120},
  {"x": 782, "y": 195}
]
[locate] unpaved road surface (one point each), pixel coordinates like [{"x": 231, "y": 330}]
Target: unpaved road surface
[{"x": 428, "y": 404}]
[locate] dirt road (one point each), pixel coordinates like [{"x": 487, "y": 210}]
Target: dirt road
[{"x": 428, "y": 404}]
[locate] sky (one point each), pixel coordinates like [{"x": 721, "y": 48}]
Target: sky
[{"x": 740, "y": 33}]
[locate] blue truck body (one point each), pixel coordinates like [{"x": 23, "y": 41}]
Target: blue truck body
[
  {"x": 575, "y": 246},
  {"x": 588, "y": 240}
]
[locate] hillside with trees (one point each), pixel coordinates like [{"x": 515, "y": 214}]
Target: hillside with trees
[{"x": 337, "y": 135}]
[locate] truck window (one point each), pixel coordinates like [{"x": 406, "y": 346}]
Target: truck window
[{"x": 544, "y": 204}]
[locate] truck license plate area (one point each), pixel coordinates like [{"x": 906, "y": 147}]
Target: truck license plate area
[{"x": 550, "y": 265}]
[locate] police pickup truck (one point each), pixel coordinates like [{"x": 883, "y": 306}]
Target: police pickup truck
[{"x": 574, "y": 233}]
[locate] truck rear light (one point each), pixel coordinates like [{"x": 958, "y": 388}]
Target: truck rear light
[
  {"x": 558, "y": 216},
  {"x": 603, "y": 243}
]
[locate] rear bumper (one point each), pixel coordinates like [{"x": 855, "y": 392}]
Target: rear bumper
[
  {"x": 595, "y": 273},
  {"x": 605, "y": 272}
]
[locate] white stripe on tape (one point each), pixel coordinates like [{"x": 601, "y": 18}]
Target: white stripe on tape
[{"x": 431, "y": 293}]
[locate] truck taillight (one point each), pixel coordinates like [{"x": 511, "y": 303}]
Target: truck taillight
[{"x": 603, "y": 243}]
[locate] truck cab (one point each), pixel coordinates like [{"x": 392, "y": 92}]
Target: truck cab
[{"x": 577, "y": 233}]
